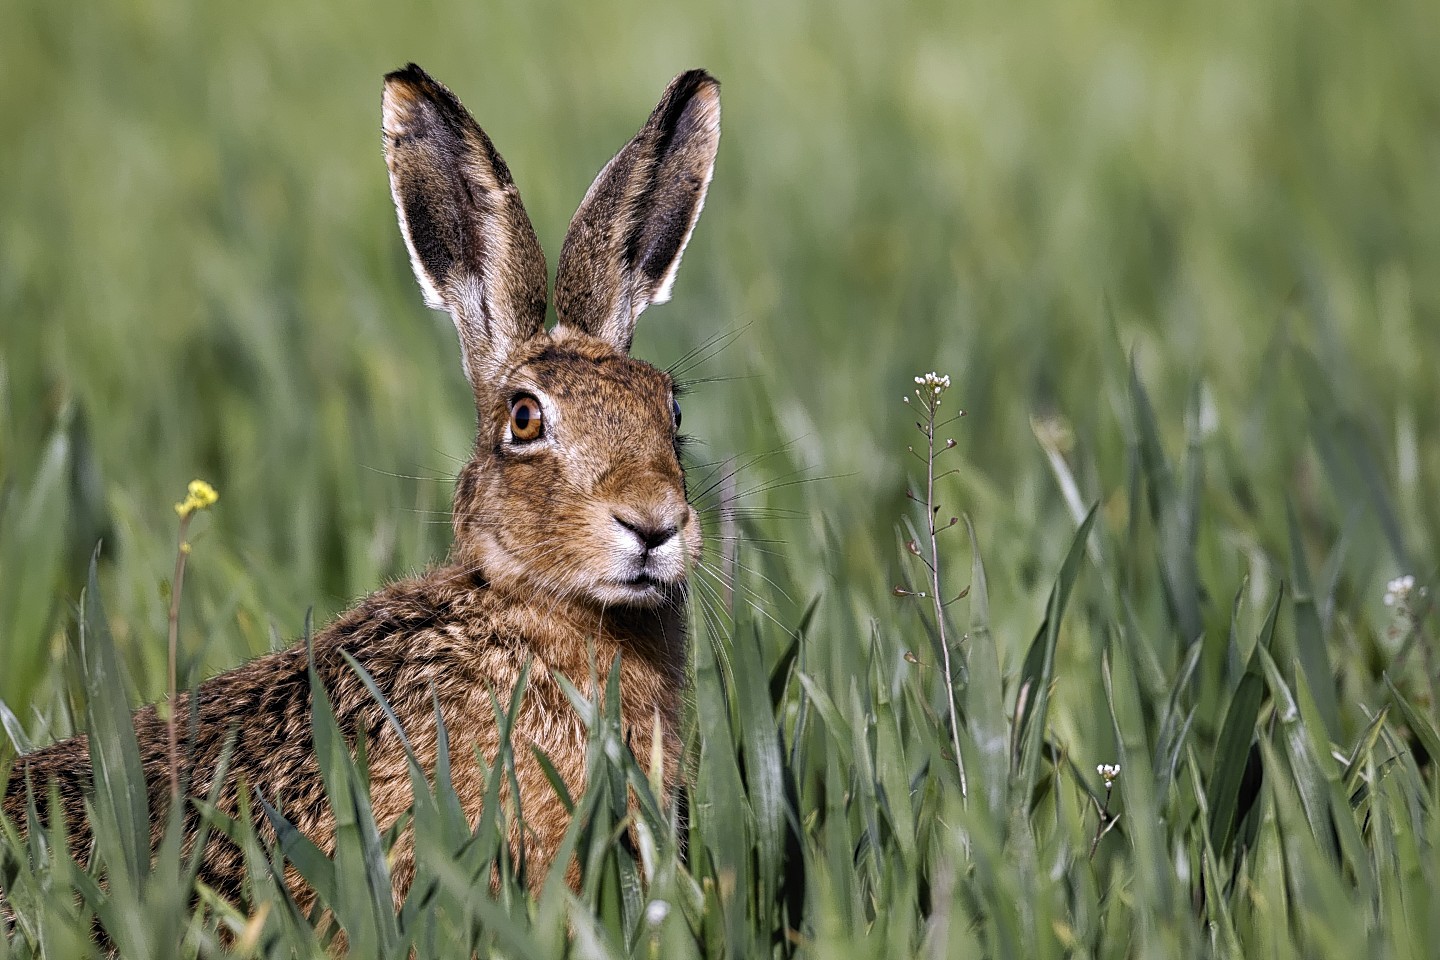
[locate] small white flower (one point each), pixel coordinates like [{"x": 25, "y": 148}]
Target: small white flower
[
  {"x": 656, "y": 912},
  {"x": 929, "y": 388},
  {"x": 1398, "y": 591},
  {"x": 1109, "y": 772}
]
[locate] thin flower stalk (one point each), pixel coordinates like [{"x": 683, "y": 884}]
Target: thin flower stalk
[
  {"x": 1109, "y": 773},
  {"x": 928, "y": 391},
  {"x": 199, "y": 496}
]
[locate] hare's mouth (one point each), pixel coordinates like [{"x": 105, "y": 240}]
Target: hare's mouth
[{"x": 643, "y": 588}]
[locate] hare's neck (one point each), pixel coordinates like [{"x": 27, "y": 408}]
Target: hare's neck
[
  {"x": 584, "y": 644},
  {"x": 578, "y": 637},
  {"x": 653, "y": 638}
]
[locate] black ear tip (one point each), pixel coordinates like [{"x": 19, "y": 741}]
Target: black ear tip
[
  {"x": 693, "y": 93},
  {"x": 410, "y": 91},
  {"x": 691, "y": 82},
  {"x": 410, "y": 73}
]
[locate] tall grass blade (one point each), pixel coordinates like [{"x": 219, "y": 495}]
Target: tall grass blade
[
  {"x": 1309, "y": 636},
  {"x": 1038, "y": 669},
  {"x": 121, "y": 802},
  {"x": 1233, "y": 749},
  {"x": 984, "y": 696}
]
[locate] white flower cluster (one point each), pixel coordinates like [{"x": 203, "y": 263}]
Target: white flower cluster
[
  {"x": 1109, "y": 772},
  {"x": 935, "y": 382},
  {"x": 929, "y": 387},
  {"x": 1397, "y": 591}
]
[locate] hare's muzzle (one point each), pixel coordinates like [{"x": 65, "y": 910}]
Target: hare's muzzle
[
  {"x": 651, "y": 547},
  {"x": 652, "y": 536}
]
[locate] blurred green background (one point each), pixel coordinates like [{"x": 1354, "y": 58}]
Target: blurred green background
[{"x": 201, "y": 276}]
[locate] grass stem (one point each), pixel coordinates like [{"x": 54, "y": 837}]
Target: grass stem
[{"x": 182, "y": 553}]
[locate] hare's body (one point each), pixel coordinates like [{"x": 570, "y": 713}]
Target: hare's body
[
  {"x": 448, "y": 632},
  {"x": 573, "y": 536}
]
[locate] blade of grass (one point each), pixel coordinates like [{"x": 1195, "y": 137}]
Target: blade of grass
[
  {"x": 1232, "y": 751},
  {"x": 1309, "y": 637},
  {"x": 1038, "y": 669}
]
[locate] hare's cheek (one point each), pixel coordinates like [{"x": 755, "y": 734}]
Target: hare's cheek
[{"x": 602, "y": 556}]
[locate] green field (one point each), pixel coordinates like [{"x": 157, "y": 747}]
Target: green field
[{"x": 1181, "y": 262}]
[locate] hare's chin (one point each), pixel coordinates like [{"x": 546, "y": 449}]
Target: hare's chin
[{"x": 641, "y": 591}]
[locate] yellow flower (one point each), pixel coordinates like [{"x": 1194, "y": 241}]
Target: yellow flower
[
  {"x": 199, "y": 496},
  {"x": 203, "y": 492}
]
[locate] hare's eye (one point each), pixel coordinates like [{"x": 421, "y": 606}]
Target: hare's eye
[
  {"x": 527, "y": 420},
  {"x": 675, "y": 411}
]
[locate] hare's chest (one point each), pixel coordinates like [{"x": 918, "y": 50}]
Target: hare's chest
[{"x": 525, "y": 718}]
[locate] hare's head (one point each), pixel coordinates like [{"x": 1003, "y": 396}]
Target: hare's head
[{"x": 576, "y": 489}]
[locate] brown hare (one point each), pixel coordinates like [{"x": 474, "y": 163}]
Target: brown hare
[{"x": 573, "y": 537}]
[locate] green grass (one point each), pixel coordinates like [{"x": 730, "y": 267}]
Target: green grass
[{"x": 1178, "y": 259}]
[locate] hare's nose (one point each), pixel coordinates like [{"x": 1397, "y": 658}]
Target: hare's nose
[{"x": 652, "y": 535}]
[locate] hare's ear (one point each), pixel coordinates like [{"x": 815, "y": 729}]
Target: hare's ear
[
  {"x": 471, "y": 244},
  {"x": 625, "y": 242}
]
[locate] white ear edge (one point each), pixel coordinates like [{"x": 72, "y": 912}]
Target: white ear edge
[
  {"x": 662, "y": 291},
  {"x": 428, "y": 290},
  {"x": 393, "y": 125}
]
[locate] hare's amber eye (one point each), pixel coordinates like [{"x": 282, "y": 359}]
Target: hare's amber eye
[
  {"x": 675, "y": 411},
  {"x": 527, "y": 421}
]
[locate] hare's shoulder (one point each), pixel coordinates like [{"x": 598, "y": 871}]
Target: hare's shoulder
[
  {"x": 409, "y": 637},
  {"x": 402, "y": 618},
  {"x": 437, "y": 629}
]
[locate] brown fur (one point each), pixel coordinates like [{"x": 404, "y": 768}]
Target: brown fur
[{"x": 554, "y": 540}]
